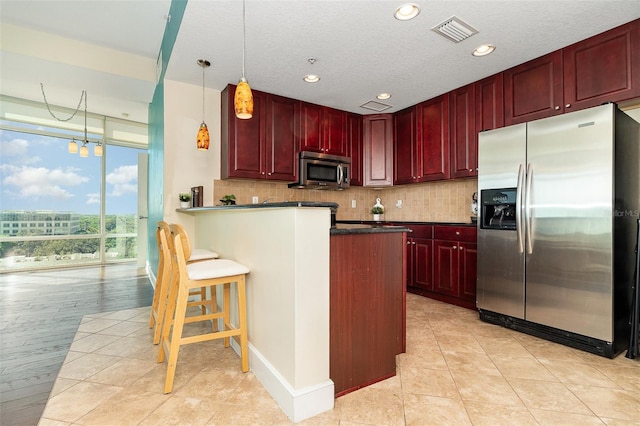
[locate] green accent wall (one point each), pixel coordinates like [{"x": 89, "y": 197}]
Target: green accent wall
[{"x": 155, "y": 199}]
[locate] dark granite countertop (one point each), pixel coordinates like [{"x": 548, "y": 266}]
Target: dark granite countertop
[
  {"x": 405, "y": 222},
  {"x": 357, "y": 228},
  {"x": 261, "y": 205}
]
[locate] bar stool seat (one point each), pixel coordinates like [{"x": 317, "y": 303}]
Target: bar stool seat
[{"x": 209, "y": 273}]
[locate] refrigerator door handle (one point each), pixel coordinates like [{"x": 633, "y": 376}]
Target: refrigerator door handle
[
  {"x": 527, "y": 210},
  {"x": 519, "y": 194}
]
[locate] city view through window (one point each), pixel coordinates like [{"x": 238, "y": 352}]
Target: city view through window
[{"x": 59, "y": 209}]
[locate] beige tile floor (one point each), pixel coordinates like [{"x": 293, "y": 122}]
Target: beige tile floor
[{"x": 457, "y": 371}]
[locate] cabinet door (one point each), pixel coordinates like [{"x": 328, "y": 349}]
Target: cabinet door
[
  {"x": 423, "y": 264},
  {"x": 433, "y": 139},
  {"x": 310, "y": 124},
  {"x": 603, "y": 68},
  {"x": 468, "y": 270},
  {"x": 489, "y": 103},
  {"x": 404, "y": 155},
  {"x": 445, "y": 267},
  {"x": 354, "y": 144},
  {"x": 334, "y": 135},
  {"x": 533, "y": 90},
  {"x": 464, "y": 139},
  {"x": 280, "y": 144},
  {"x": 378, "y": 160},
  {"x": 242, "y": 140}
]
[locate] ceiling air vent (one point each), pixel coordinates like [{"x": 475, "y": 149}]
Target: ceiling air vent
[
  {"x": 375, "y": 106},
  {"x": 455, "y": 29}
]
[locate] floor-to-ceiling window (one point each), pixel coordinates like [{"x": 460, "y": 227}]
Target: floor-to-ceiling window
[{"x": 59, "y": 208}]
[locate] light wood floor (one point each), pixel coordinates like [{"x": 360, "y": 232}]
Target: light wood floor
[{"x": 39, "y": 316}]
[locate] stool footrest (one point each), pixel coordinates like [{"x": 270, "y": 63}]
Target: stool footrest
[{"x": 209, "y": 336}]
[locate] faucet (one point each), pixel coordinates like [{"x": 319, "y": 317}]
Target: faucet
[{"x": 267, "y": 200}]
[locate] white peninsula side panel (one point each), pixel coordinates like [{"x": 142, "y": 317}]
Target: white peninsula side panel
[{"x": 287, "y": 251}]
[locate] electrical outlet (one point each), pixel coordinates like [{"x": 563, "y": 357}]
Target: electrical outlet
[
  {"x": 254, "y": 200},
  {"x": 353, "y": 204},
  {"x": 399, "y": 204}
]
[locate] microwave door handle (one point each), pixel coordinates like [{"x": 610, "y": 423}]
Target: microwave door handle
[{"x": 340, "y": 174}]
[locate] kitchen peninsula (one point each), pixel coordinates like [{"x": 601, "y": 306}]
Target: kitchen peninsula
[{"x": 303, "y": 294}]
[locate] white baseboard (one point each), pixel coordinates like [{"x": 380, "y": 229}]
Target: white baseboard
[{"x": 297, "y": 404}]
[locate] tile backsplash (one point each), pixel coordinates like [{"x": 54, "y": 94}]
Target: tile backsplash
[{"x": 442, "y": 201}]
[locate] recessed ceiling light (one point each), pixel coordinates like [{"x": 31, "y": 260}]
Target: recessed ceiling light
[
  {"x": 383, "y": 96},
  {"x": 311, "y": 78},
  {"x": 406, "y": 11},
  {"x": 483, "y": 50}
]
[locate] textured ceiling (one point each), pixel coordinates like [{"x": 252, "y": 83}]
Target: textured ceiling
[{"x": 360, "y": 48}]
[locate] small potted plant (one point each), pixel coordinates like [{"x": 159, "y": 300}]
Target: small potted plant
[
  {"x": 228, "y": 200},
  {"x": 377, "y": 211},
  {"x": 184, "y": 200}
]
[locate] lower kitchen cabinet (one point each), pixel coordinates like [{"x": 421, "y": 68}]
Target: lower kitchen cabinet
[
  {"x": 442, "y": 262},
  {"x": 455, "y": 253},
  {"x": 420, "y": 257},
  {"x": 367, "y": 308}
]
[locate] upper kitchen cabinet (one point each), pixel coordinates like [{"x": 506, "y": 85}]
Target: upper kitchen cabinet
[
  {"x": 322, "y": 129},
  {"x": 533, "y": 90},
  {"x": 433, "y": 139},
  {"x": 354, "y": 147},
  {"x": 262, "y": 147},
  {"x": 377, "y": 150},
  {"x": 603, "y": 68},
  {"x": 405, "y": 147},
  {"x": 476, "y": 107},
  {"x": 421, "y": 149},
  {"x": 464, "y": 140}
]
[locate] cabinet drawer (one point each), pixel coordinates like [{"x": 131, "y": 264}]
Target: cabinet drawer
[
  {"x": 420, "y": 231},
  {"x": 456, "y": 233}
]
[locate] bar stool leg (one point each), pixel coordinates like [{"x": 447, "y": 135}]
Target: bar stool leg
[
  {"x": 225, "y": 309},
  {"x": 242, "y": 324},
  {"x": 176, "y": 336}
]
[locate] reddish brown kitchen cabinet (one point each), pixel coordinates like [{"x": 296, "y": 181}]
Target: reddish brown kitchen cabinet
[
  {"x": 464, "y": 139},
  {"x": 454, "y": 264},
  {"x": 377, "y": 150},
  {"x": 367, "y": 308},
  {"x": 405, "y": 148},
  {"x": 322, "y": 129},
  {"x": 420, "y": 257},
  {"x": 433, "y": 139},
  {"x": 489, "y": 103},
  {"x": 354, "y": 147},
  {"x": 533, "y": 90},
  {"x": 262, "y": 147},
  {"x": 603, "y": 68}
]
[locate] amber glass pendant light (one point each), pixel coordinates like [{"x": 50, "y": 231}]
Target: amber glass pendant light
[
  {"x": 243, "y": 100},
  {"x": 203, "y": 133}
]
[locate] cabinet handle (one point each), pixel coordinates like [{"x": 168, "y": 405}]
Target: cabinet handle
[
  {"x": 460, "y": 247},
  {"x": 557, "y": 107},
  {"x": 470, "y": 170},
  {"x": 567, "y": 106},
  {"x": 455, "y": 247},
  {"x": 457, "y": 232}
]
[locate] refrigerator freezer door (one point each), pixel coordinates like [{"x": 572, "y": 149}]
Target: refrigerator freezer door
[
  {"x": 500, "y": 285},
  {"x": 569, "y": 268}
]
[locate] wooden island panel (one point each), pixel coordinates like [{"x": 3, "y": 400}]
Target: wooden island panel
[{"x": 367, "y": 308}]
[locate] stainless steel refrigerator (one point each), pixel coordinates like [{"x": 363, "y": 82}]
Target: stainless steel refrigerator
[{"x": 559, "y": 199}]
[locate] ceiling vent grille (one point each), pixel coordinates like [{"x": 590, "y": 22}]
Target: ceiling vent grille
[
  {"x": 375, "y": 106},
  {"x": 455, "y": 29}
]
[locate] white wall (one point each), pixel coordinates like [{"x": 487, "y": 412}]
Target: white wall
[{"x": 185, "y": 166}]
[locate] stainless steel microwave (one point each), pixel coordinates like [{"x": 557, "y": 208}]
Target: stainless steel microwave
[{"x": 322, "y": 171}]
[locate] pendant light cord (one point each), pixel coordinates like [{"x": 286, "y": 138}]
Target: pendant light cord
[
  {"x": 82, "y": 95},
  {"x": 244, "y": 36},
  {"x": 203, "y": 67}
]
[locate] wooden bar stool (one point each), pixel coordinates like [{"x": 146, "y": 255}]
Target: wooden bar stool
[
  {"x": 166, "y": 274},
  {"x": 211, "y": 273}
]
